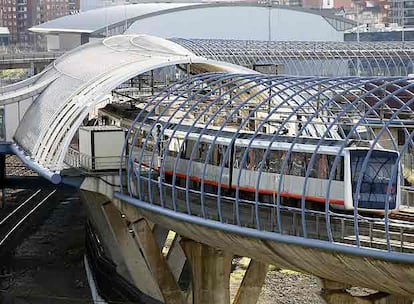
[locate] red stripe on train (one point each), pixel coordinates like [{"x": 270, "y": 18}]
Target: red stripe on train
[
  {"x": 316, "y": 199},
  {"x": 261, "y": 191}
]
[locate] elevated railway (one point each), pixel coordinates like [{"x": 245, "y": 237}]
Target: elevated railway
[{"x": 292, "y": 171}]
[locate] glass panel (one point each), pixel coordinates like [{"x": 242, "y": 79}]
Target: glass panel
[{"x": 375, "y": 178}]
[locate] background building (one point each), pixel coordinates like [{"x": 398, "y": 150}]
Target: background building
[
  {"x": 402, "y": 12},
  {"x": 19, "y": 15}
]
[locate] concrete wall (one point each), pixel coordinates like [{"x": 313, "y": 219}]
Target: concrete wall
[
  {"x": 53, "y": 43},
  {"x": 13, "y": 113},
  {"x": 63, "y": 41},
  {"x": 69, "y": 41}
]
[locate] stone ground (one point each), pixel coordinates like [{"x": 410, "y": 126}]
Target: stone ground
[
  {"x": 287, "y": 287},
  {"x": 281, "y": 286}
]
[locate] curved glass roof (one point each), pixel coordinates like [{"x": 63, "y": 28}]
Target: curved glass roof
[
  {"x": 310, "y": 57},
  {"x": 82, "y": 77}
]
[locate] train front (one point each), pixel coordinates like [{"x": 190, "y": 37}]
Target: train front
[{"x": 373, "y": 180}]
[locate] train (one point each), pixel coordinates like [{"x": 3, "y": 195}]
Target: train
[
  {"x": 198, "y": 155},
  {"x": 221, "y": 165}
]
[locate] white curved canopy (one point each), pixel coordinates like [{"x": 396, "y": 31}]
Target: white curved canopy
[
  {"x": 222, "y": 20},
  {"x": 81, "y": 78}
]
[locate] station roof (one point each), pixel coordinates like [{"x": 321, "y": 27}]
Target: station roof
[
  {"x": 98, "y": 20},
  {"x": 94, "y": 20},
  {"x": 80, "y": 79}
]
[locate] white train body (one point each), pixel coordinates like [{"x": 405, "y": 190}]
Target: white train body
[{"x": 177, "y": 151}]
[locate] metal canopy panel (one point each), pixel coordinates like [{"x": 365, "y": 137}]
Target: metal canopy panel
[
  {"x": 94, "y": 20},
  {"x": 85, "y": 75},
  {"x": 98, "y": 20},
  {"x": 311, "y": 58}
]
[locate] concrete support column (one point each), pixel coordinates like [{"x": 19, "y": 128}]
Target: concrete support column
[
  {"x": 210, "y": 272},
  {"x": 157, "y": 263},
  {"x": 176, "y": 257},
  {"x": 336, "y": 293},
  {"x": 252, "y": 283},
  {"x": 119, "y": 243}
]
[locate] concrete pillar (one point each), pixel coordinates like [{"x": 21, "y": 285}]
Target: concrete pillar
[
  {"x": 336, "y": 293},
  {"x": 160, "y": 234},
  {"x": 332, "y": 285},
  {"x": 132, "y": 255},
  {"x": 176, "y": 257},
  {"x": 249, "y": 290},
  {"x": 157, "y": 263},
  {"x": 119, "y": 243},
  {"x": 391, "y": 299},
  {"x": 210, "y": 272}
]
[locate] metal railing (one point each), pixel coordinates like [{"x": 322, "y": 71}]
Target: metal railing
[
  {"x": 29, "y": 57},
  {"x": 76, "y": 159},
  {"x": 185, "y": 186}
]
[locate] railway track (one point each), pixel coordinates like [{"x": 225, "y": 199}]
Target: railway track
[
  {"x": 402, "y": 215},
  {"x": 14, "y": 167},
  {"x": 22, "y": 216}
]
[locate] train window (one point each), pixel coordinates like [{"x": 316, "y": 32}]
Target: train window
[
  {"x": 275, "y": 161},
  {"x": 297, "y": 164},
  {"x": 401, "y": 137},
  {"x": 221, "y": 153},
  {"x": 238, "y": 156},
  {"x": 187, "y": 149},
  {"x": 339, "y": 170},
  {"x": 174, "y": 146},
  {"x": 320, "y": 167},
  {"x": 202, "y": 152},
  {"x": 253, "y": 160}
]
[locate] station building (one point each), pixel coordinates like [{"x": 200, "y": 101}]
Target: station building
[{"x": 244, "y": 21}]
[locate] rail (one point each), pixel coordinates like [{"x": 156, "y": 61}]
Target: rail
[
  {"x": 14, "y": 221},
  {"x": 76, "y": 159},
  {"x": 310, "y": 58},
  {"x": 29, "y": 57}
]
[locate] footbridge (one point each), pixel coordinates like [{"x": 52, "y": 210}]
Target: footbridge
[
  {"x": 185, "y": 162},
  {"x": 35, "y": 60}
]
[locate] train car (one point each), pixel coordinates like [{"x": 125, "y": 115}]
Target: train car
[{"x": 199, "y": 156}]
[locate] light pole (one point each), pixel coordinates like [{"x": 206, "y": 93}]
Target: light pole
[
  {"x": 269, "y": 21},
  {"x": 357, "y": 17},
  {"x": 402, "y": 20}
]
